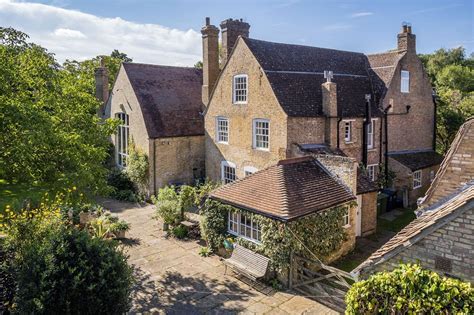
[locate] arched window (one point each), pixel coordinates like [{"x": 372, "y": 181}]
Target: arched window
[{"x": 121, "y": 140}]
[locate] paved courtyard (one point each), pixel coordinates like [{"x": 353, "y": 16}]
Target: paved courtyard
[{"x": 172, "y": 278}]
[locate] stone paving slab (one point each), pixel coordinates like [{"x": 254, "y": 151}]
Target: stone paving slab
[{"x": 173, "y": 279}]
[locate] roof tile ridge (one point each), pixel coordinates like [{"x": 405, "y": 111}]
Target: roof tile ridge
[{"x": 447, "y": 161}]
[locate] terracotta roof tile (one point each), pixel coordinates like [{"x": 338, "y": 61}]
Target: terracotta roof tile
[
  {"x": 291, "y": 189},
  {"x": 417, "y": 160},
  {"x": 170, "y": 99}
]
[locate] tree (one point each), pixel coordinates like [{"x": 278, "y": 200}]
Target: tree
[
  {"x": 452, "y": 75},
  {"x": 120, "y": 55},
  {"x": 49, "y": 132}
]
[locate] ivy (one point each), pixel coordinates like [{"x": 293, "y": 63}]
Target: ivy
[{"x": 322, "y": 233}]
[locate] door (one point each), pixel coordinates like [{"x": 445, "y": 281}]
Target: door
[{"x": 359, "y": 216}]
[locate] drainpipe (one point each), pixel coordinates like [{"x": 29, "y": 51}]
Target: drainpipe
[
  {"x": 386, "y": 143},
  {"x": 368, "y": 121},
  {"x": 154, "y": 167},
  {"x": 435, "y": 102},
  {"x": 338, "y": 123}
]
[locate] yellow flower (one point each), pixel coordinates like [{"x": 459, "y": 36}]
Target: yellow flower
[{"x": 74, "y": 188}]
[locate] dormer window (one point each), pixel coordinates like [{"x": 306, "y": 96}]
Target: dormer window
[
  {"x": 405, "y": 81},
  {"x": 240, "y": 89}
]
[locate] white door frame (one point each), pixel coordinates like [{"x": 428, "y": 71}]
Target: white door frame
[{"x": 358, "y": 218}]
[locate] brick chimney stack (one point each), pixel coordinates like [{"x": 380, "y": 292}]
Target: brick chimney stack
[
  {"x": 406, "y": 40},
  {"x": 101, "y": 86},
  {"x": 329, "y": 90},
  {"x": 231, "y": 30},
  {"x": 210, "y": 59}
]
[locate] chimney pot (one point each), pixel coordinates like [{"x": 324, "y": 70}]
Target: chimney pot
[
  {"x": 208, "y": 21},
  {"x": 231, "y": 30},
  {"x": 406, "y": 40}
]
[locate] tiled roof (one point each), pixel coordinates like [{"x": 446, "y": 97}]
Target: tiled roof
[
  {"x": 442, "y": 186},
  {"x": 364, "y": 184},
  {"x": 169, "y": 97},
  {"x": 291, "y": 189},
  {"x": 384, "y": 64},
  {"x": 418, "y": 228},
  {"x": 417, "y": 160},
  {"x": 296, "y": 73}
]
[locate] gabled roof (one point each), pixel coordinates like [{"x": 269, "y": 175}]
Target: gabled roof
[
  {"x": 422, "y": 226},
  {"x": 457, "y": 167},
  {"x": 296, "y": 73},
  {"x": 382, "y": 68},
  {"x": 417, "y": 160},
  {"x": 169, "y": 97},
  {"x": 291, "y": 189}
]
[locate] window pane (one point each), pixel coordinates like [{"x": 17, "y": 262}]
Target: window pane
[
  {"x": 261, "y": 130},
  {"x": 240, "y": 89}
]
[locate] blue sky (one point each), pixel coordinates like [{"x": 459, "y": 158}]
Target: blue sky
[{"x": 167, "y": 32}]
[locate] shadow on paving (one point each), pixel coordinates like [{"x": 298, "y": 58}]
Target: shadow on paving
[{"x": 178, "y": 294}]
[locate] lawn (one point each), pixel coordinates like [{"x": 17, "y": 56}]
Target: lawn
[
  {"x": 15, "y": 194},
  {"x": 399, "y": 223}
]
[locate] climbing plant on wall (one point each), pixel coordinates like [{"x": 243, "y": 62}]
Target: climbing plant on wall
[{"x": 317, "y": 234}]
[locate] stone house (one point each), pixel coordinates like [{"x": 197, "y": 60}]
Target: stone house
[
  {"x": 268, "y": 102},
  {"x": 288, "y": 192},
  {"x": 441, "y": 238},
  {"x": 161, "y": 112}
]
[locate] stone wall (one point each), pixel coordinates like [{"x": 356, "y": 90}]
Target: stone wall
[
  {"x": 262, "y": 103},
  {"x": 369, "y": 213},
  {"x": 123, "y": 100},
  {"x": 177, "y": 160},
  {"x": 403, "y": 182},
  {"x": 460, "y": 169},
  {"x": 448, "y": 250}
]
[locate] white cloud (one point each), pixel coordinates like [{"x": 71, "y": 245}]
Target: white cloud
[
  {"x": 68, "y": 33},
  {"x": 361, "y": 14},
  {"x": 75, "y": 35}
]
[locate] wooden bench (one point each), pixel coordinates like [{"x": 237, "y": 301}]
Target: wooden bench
[{"x": 247, "y": 262}]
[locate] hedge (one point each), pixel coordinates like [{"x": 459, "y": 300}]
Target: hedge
[{"x": 410, "y": 289}]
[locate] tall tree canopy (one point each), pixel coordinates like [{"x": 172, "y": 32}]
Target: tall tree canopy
[
  {"x": 50, "y": 132},
  {"x": 452, "y": 74}
]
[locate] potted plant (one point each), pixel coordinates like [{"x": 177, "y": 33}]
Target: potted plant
[
  {"x": 119, "y": 228},
  {"x": 168, "y": 211}
]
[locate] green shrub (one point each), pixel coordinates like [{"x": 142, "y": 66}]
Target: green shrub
[
  {"x": 168, "y": 211},
  {"x": 410, "y": 289},
  {"x": 120, "y": 180},
  {"x": 137, "y": 168},
  {"x": 180, "y": 231},
  {"x": 63, "y": 270},
  {"x": 7, "y": 281},
  {"x": 204, "y": 251}
]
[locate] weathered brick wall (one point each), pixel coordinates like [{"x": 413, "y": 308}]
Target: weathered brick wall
[
  {"x": 460, "y": 169},
  {"x": 414, "y": 130},
  {"x": 369, "y": 213},
  {"x": 177, "y": 160},
  {"x": 454, "y": 241},
  {"x": 262, "y": 103},
  {"x": 304, "y": 130}
]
